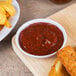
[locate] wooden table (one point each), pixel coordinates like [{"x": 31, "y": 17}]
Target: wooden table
[{"x": 10, "y": 64}]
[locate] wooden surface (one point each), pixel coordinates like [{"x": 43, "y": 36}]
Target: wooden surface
[
  {"x": 41, "y": 67},
  {"x": 10, "y": 64}
]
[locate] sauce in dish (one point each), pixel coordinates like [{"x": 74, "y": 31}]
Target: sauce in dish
[{"x": 41, "y": 39}]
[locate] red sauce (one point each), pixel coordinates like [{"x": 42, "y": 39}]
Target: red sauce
[
  {"x": 41, "y": 39},
  {"x": 60, "y": 1}
]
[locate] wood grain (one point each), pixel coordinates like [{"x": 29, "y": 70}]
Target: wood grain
[
  {"x": 10, "y": 64},
  {"x": 41, "y": 67}
]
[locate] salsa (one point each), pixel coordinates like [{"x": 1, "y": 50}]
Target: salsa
[{"x": 41, "y": 39}]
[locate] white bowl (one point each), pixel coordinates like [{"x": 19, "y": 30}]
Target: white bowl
[
  {"x": 13, "y": 20},
  {"x": 35, "y": 21}
]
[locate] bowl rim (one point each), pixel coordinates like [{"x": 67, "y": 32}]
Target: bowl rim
[
  {"x": 13, "y": 21},
  {"x": 26, "y": 24}
]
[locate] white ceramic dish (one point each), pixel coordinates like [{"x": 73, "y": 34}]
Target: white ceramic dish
[
  {"x": 13, "y": 20},
  {"x": 35, "y": 21}
]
